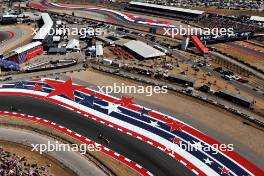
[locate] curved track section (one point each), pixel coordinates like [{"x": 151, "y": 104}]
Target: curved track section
[
  {"x": 5, "y": 36},
  {"x": 79, "y": 137},
  {"x": 87, "y": 130},
  {"x": 120, "y": 118},
  {"x": 14, "y": 36},
  {"x": 119, "y": 16}
]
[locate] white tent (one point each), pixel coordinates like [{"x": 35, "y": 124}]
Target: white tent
[
  {"x": 73, "y": 44},
  {"x": 99, "y": 49}
]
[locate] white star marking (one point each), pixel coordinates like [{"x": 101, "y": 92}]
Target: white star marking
[
  {"x": 112, "y": 108},
  {"x": 208, "y": 161},
  {"x": 154, "y": 123}
]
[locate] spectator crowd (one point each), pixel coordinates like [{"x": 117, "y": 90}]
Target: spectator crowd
[
  {"x": 225, "y": 22},
  {"x": 223, "y": 4},
  {"x": 15, "y": 165}
]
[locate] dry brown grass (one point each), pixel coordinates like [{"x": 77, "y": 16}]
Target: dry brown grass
[{"x": 257, "y": 62}]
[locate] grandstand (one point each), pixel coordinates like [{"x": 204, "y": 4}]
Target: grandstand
[
  {"x": 181, "y": 79},
  {"x": 214, "y": 21},
  {"x": 235, "y": 98},
  {"x": 257, "y": 19},
  {"x": 45, "y": 29},
  {"x": 25, "y": 53},
  {"x": 167, "y": 11},
  {"x": 8, "y": 19}
]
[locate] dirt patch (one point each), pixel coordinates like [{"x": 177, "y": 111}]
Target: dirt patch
[
  {"x": 251, "y": 60},
  {"x": 203, "y": 78}
]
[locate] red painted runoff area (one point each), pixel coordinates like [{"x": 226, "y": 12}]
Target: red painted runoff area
[{"x": 37, "y": 6}]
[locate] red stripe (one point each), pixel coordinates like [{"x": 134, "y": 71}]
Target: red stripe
[
  {"x": 235, "y": 156},
  {"x": 155, "y": 144},
  {"x": 38, "y": 6},
  {"x": 111, "y": 153}
]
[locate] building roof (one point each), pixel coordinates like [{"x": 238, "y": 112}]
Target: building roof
[
  {"x": 99, "y": 49},
  {"x": 73, "y": 44},
  {"x": 105, "y": 40},
  {"x": 45, "y": 29},
  {"x": 57, "y": 50},
  {"x": 59, "y": 22},
  {"x": 122, "y": 41},
  {"x": 9, "y": 16},
  {"x": 142, "y": 49},
  {"x": 56, "y": 38},
  {"x": 257, "y": 18},
  {"x": 26, "y": 47},
  {"x": 227, "y": 92},
  {"x": 182, "y": 77},
  {"x": 177, "y": 9}
]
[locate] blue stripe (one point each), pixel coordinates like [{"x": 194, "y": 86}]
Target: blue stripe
[{"x": 138, "y": 121}]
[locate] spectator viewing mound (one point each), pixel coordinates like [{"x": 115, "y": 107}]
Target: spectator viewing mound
[{"x": 17, "y": 159}]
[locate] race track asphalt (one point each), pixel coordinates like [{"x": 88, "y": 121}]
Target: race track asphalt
[{"x": 152, "y": 159}]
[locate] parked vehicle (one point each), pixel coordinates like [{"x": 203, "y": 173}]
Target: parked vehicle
[{"x": 227, "y": 77}]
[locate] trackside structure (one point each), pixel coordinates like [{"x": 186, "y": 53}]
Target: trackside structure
[
  {"x": 31, "y": 50},
  {"x": 198, "y": 43},
  {"x": 26, "y": 52},
  {"x": 168, "y": 11},
  {"x": 45, "y": 29}
]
